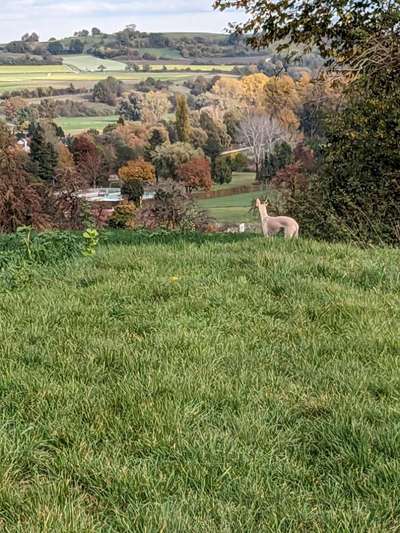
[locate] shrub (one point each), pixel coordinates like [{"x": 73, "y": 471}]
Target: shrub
[
  {"x": 222, "y": 170},
  {"x": 239, "y": 162},
  {"x": 123, "y": 216},
  {"x": 356, "y": 195},
  {"x": 173, "y": 209},
  {"x": 70, "y": 210}
]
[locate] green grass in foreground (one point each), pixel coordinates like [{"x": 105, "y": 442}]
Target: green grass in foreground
[
  {"x": 258, "y": 390},
  {"x": 75, "y": 125}
]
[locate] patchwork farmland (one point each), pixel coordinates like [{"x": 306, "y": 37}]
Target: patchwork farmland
[
  {"x": 84, "y": 71},
  {"x": 12, "y": 78}
]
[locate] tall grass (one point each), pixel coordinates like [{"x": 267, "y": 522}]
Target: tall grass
[{"x": 200, "y": 384}]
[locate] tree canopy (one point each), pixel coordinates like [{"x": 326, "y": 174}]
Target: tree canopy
[{"x": 339, "y": 28}]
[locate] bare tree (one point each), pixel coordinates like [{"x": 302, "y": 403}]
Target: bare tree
[{"x": 261, "y": 132}]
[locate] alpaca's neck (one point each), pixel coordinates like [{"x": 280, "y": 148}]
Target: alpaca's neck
[
  {"x": 264, "y": 219},
  {"x": 263, "y": 212}
]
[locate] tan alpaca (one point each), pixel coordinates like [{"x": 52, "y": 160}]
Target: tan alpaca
[{"x": 273, "y": 225}]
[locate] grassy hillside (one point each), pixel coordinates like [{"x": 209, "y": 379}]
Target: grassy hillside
[
  {"x": 203, "y": 384},
  {"x": 76, "y": 125}
]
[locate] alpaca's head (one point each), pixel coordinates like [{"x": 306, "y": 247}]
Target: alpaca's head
[{"x": 261, "y": 204}]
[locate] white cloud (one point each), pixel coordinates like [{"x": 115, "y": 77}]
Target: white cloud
[{"x": 57, "y": 17}]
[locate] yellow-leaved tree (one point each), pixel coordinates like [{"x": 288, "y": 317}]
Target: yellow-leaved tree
[
  {"x": 134, "y": 175},
  {"x": 253, "y": 89},
  {"x": 282, "y": 98},
  {"x": 229, "y": 91}
]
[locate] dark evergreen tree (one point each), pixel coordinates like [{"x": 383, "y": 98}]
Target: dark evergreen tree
[
  {"x": 217, "y": 137},
  {"x": 222, "y": 170},
  {"x": 43, "y": 154},
  {"x": 280, "y": 158}
]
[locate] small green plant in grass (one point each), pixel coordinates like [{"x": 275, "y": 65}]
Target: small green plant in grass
[
  {"x": 123, "y": 216},
  {"x": 25, "y": 238},
  {"x": 91, "y": 237}
]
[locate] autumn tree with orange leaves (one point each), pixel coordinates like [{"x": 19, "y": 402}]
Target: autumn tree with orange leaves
[{"x": 195, "y": 174}]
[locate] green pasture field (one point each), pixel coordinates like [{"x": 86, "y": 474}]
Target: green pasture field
[
  {"x": 90, "y": 63},
  {"x": 27, "y": 70},
  {"x": 186, "y": 383},
  {"x": 238, "y": 179},
  {"x": 10, "y": 81},
  {"x": 81, "y": 70},
  {"x": 74, "y": 125},
  {"x": 232, "y": 209},
  {"x": 86, "y": 63}
]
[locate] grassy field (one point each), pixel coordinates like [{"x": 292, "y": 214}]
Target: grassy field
[
  {"x": 203, "y": 384},
  {"x": 238, "y": 179},
  {"x": 11, "y": 79},
  {"x": 83, "y": 69},
  {"x": 31, "y": 70},
  {"x": 235, "y": 208},
  {"x": 85, "y": 62},
  {"x": 76, "y": 125}
]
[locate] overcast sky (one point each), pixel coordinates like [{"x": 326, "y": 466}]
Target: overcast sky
[{"x": 57, "y": 18}]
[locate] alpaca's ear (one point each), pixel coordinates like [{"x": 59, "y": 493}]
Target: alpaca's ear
[{"x": 258, "y": 202}]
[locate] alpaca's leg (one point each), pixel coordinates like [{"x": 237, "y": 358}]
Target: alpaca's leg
[{"x": 265, "y": 230}]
